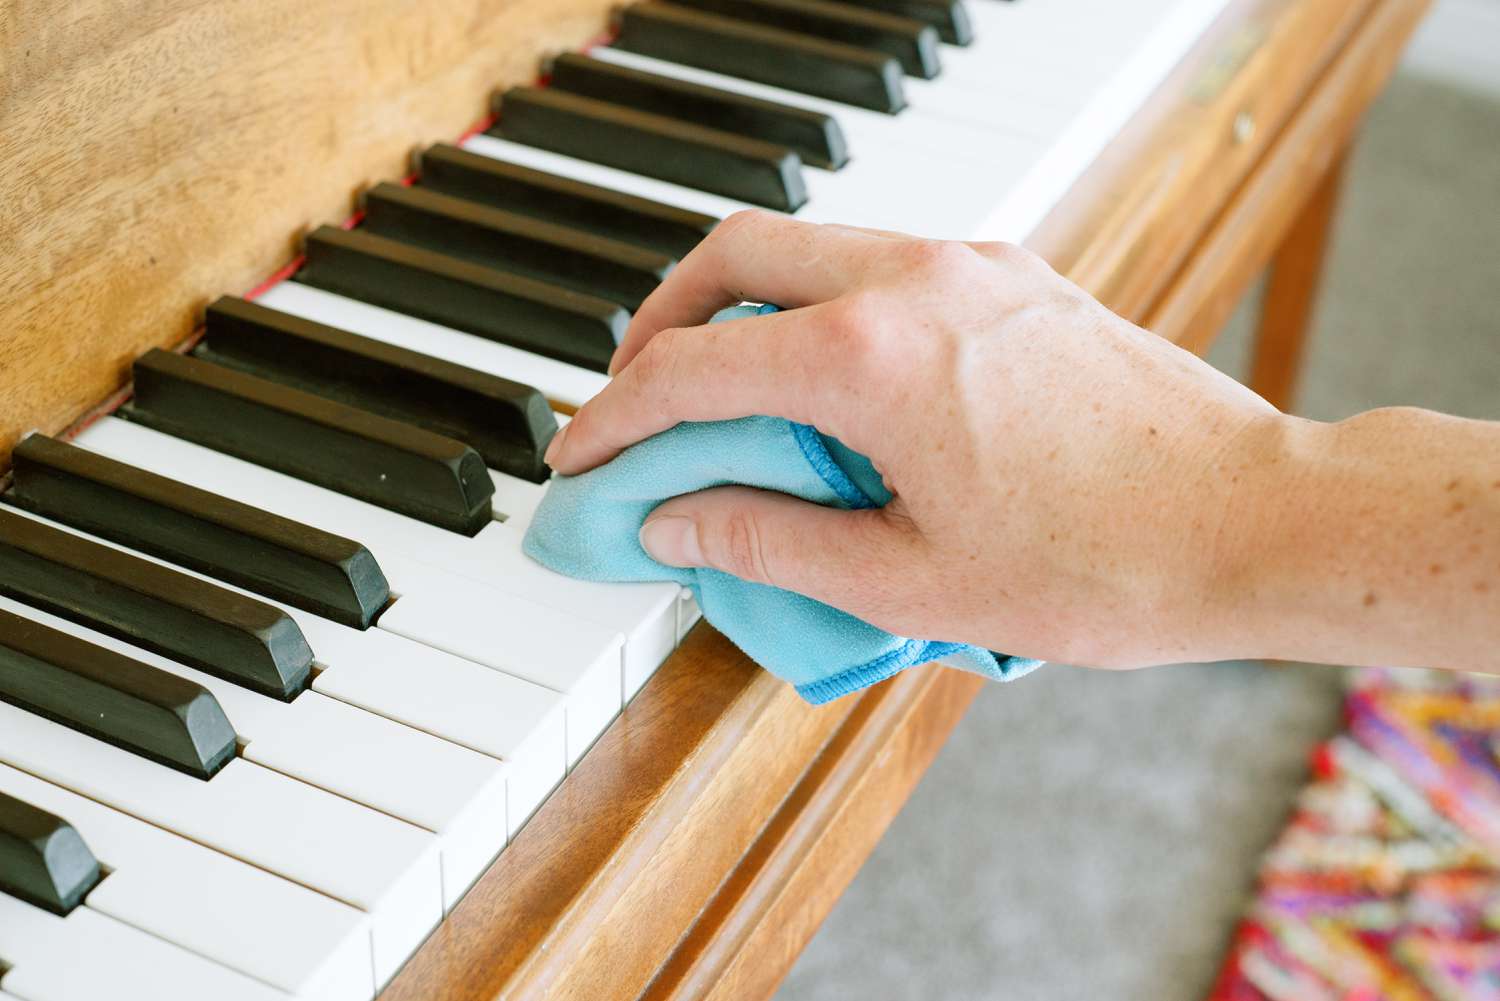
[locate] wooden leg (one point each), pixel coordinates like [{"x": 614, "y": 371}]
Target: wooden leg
[{"x": 1291, "y": 292}]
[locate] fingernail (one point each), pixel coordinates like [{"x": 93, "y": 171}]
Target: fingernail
[
  {"x": 554, "y": 448},
  {"x": 673, "y": 541}
]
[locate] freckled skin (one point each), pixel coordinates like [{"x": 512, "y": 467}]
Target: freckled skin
[{"x": 1067, "y": 485}]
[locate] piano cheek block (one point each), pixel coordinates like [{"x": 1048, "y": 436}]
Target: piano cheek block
[{"x": 396, "y": 466}]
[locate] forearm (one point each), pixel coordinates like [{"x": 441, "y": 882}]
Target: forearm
[{"x": 1375, "y": 540}]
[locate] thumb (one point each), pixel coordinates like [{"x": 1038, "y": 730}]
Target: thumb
[{"x": 859, "y": 561}]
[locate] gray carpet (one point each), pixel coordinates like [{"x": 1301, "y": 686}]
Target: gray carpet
[{"x": 1090, "y": 836}]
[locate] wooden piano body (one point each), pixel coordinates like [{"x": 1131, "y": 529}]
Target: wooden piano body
[{"x": 155, "y": 155}]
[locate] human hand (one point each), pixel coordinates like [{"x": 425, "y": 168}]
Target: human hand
[{"x": 1060, "y": 476}]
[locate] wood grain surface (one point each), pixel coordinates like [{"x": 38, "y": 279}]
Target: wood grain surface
[
  {"x": 158, "y": 154},
  {"x": 154, "y": 155}
]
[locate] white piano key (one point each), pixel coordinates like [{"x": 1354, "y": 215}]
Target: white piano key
[
  {"x": 557, "y": 380},
  {"x": 485, "y": 710},
  {"x": 1084, "y": 22},
  {"x": 936, "y": 199},
  {"x": 585, "y": 665},
  {"x": 994, "y": 109},
  {"x": 1049, "y": 57},
  {"x": 542, "y": 602},
  {"x": 1132, "y": 78},
  {"x": 455, "y": 793},
  {"x": 530, "y": 621},
  {"x": 1067, "y": 73},
  {"x": 480, "y": 708},
  {"x": 302, "y": 942},
  {"x": 516, "y": 498},
  {"x": 945, "y": 168},
  {"x": 863, "y": 128},
  {"x": 88, "y": 955},
  {"x": 385, "y": 867},
  {"x": 451, "y": 791}
]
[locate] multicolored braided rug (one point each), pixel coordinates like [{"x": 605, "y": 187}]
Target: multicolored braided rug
[{"x": 1385, "y": 885}]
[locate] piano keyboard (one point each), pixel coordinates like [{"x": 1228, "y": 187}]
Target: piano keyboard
[{"x": 276, "y": 681}]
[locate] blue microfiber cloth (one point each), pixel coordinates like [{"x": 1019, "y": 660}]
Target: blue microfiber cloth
[{"x": 588, "y": 526}]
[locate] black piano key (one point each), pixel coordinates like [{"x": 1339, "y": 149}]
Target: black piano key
[
  {"x": 307, "y": 568},
  {"x": 407, "y": 469},
  {"x": 860, "y": 77},
  {"x": 913, "y": 43},
  {"x": 509, "y": 424},
  {"x": 43, "y": 858},
  {"x": 222, "y": 632},
  {"x": 949, "y": 17},
  {"x": 112, "y": 697},
  {"x": 655, "y": 146},
  {"x": 514, "y": 188},
  {"x": 519, "y": 244},
  {"x": 816, "y": 137},
  {"x": 535, "y": 316}
]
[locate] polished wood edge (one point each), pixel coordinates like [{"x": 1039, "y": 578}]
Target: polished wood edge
[
  {"x": 1132, "y": 220},
  {"x": 750, "y": 934},
  {"x": 634, "y": 842},
  {"x": 1256, "y": 219}
]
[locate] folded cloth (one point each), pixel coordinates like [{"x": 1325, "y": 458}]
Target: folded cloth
[{"x": 588, "y": 526}]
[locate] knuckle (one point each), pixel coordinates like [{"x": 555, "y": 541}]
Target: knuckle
[
  {"x": 741, "y": 545},
  {"x": 736, "y": 222},
  {"x": 653, "y": 365},
  {"x": 938, "y": 257},
  {"x": 864, "y": 344},
  {"x": 1007, "y": 253},
  {"x": 1023, "y": 267},
  {"x": 652, "y": 376},
  {"x": 855, "y": 325}
]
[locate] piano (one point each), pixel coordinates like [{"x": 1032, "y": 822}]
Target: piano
[{"x": 284, "y": 711}]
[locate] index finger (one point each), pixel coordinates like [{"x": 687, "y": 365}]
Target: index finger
[
  {"x": 752, "y": 256},
  {"x": 767, "y": 365}
]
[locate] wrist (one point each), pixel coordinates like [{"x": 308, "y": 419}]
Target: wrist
[{"x": 1253, "y": 594}]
